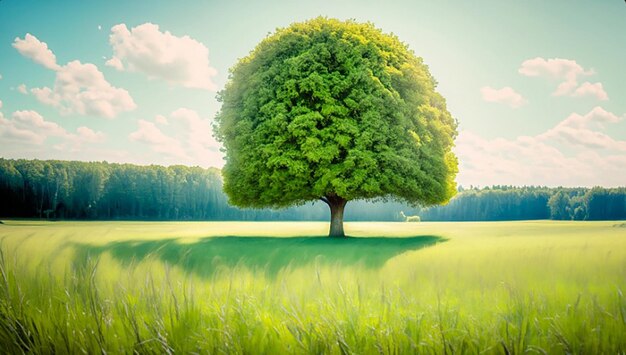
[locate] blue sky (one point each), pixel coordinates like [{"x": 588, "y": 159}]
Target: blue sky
[{"x": 537, "y": 86}]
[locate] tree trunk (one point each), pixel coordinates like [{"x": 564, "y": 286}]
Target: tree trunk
[{"x": 337, "y": 205}]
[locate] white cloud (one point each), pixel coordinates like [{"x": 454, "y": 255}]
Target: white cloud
[
  {"x": 1, "y": 76},
  {"x": 177, "y": 60},
  {"x": 22, "y": 89},
  {"x": 189, "y": 139},
  {"x": 99, "y": 27},
  {"x": 587, "y": 130},
  {"x": 589, "y": 89},
  {"x": 26, "y": 134},
  {"x": 148, "y": 133},
  {"x": 567, "y": 72},
  {"x": 115, "y": 63},
  {"x": 12, "y": 131},
  {"x": 576, "y": 152},
  {"x": 506, "y": 96},
  {"x": 0, "y": 103},
  {"x": 36, "y": 50},
  {"x": 556, "y": 67},
  {"x": 79, "y": 88},
  {"x": 160, "y": 119},
  {"x": 30, "y": 128},
  {"x": 198, "y": 135},
  {"x": 82, "y": 89},
  {"x": 75, "y": 142},
  {"x": 87, "y": 134}
]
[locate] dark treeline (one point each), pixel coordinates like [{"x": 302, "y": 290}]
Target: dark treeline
[
  {"x": 497, "y": 203},
  {"x": 80, "y": 190},
  {"x": 500, "y": 203}
]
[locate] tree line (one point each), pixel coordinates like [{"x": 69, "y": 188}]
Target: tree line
[
  {"x": 105, "y": 191},
  {"x": 499, "y": 203}
]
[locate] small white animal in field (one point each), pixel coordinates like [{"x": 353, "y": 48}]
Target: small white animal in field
[{"x": 409, "y": 218}]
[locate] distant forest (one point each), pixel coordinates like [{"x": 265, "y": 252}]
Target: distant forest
[{"x": 104, "y": 191}]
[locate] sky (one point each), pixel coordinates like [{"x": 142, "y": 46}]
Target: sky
[{"x": 538, "y": 87}]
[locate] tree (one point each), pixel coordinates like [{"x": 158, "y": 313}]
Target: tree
[
  {"x": 336, "y": 111},
  {"x": 559, "y": 205}
]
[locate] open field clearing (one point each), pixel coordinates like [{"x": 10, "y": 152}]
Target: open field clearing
[{"x": 272, "y": 287}]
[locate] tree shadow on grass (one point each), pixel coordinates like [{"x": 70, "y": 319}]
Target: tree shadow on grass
[{"x": 267, "y": 254}]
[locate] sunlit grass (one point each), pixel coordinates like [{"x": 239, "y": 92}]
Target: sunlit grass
[{"x": 539, "y": 287}]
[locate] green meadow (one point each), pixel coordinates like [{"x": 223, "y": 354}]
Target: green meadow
[{"x": 277, "y": 287}]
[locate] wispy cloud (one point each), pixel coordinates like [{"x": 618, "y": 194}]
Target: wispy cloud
[
  {"x": 189, "y": 138},
  {"x": 506, "y": 96},
  {"x": 147, "y": 132}
]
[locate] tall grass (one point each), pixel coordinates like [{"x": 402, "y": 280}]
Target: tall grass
[{"x": 540, "y": 287}]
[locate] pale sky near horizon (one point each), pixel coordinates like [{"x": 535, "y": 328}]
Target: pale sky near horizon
[{"x": 537, "y": 86}]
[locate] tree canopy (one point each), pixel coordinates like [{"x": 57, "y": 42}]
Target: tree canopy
[{"x": 334, "y": 110}]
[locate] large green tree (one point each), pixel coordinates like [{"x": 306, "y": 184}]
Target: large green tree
[{"x": 337, "y": 111}]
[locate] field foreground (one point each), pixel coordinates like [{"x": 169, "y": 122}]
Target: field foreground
[{"x": 273, "y": 287}]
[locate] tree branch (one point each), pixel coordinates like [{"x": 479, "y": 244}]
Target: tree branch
[{"x": 325, "y": 199}]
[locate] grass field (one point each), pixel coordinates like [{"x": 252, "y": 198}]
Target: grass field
[{"x": 122, "y": 287}]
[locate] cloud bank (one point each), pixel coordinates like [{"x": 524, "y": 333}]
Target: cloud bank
[
  {"x": 30, "y": 128},
  {"x": 575, "y": 152}
]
